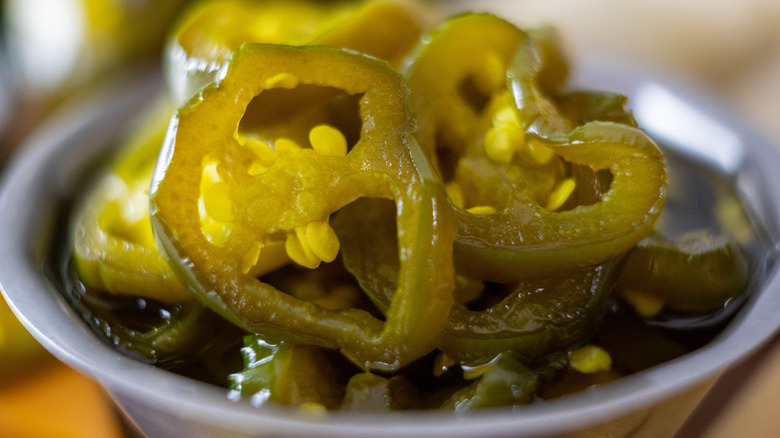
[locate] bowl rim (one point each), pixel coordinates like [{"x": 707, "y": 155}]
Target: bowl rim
[{"x": 43, "y": 172}]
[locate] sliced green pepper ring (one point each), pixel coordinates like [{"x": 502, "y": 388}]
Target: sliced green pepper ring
[
  {"x": 518, "y": 237},
  {"x": 453, "y": 73},
  {"x": 270, "y": 195},
  {"x": 696, "y": 272},
  {"x": 524, "y": 240}
]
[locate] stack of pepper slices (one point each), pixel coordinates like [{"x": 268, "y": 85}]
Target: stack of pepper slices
[{"x": 389, "y": 216}]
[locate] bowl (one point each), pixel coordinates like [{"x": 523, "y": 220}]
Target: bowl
[{"x": 705, "y": 143}]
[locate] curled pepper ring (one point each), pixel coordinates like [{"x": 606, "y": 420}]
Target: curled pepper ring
[
  {"x": 519, "y": 238},
  {"x": 275, "y": 195}
]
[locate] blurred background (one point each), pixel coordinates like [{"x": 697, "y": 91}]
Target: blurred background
[{"x": 55, "y": 49}]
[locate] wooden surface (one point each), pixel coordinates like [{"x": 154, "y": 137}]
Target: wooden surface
[
  {"x": 53, "y": 401},
  {"x": 743, "y": 402}
]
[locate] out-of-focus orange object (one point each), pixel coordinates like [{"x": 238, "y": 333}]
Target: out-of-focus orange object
[{"x": 55, "y": 401}]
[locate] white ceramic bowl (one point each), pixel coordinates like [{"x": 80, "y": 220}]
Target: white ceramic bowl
[{"x": 655, "y": 401}]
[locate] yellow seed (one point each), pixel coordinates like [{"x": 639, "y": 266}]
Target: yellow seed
[
  {"x": 216, "y": 232},
  {"x": 467, "y": 289},
  {"x": 282, "y": 80},
  {"x": 539, "y": 152},
  {"x": 590, "y": 359},
  {"x": 282, "y": 143},
  {"x": 505, "y": 137},
  {"x": 514, "y": 132},
  {"x": 506, "y": 116},
  {"x": 210, "y": 175},
  {"x": 250, "y": 258},
  {"x": 645, "y": 305},
  {"x": 560, "y": 194},
  {"x": 313, "y": 410},
  {"x": 264, "y": 153},
  {"x": 327, "y": 140},
  {"x": 481, "y": 209},
  {"x": 498, "y": 146},
  {"x": 217, "y": 202},
  {"x": 300, "y": 232},
  {"x": 298, "y": 253},
  {"x": 455, "y": 194},
  {"x": 322, "y": 240}
]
